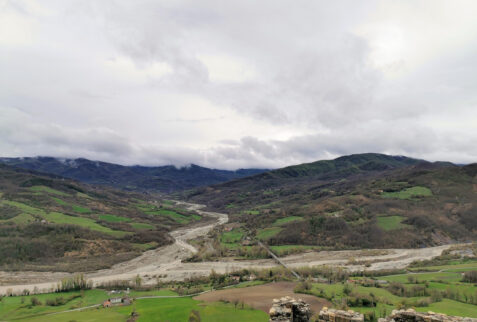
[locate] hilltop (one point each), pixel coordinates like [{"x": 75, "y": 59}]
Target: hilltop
[
  {"x": 52, "y": 223},
  {"x": 357, "y": 201},
  {"x": 133, "y": 178}
]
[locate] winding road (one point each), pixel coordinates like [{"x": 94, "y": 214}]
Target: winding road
[{"x": 166, "y": 262}]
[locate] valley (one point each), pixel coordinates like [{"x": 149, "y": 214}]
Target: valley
[
  {"x": 169, "y": 264},
  {"x": 368, "y": 232}
]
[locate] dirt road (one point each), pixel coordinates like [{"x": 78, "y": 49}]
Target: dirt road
[{"x": 166, "y": 261}]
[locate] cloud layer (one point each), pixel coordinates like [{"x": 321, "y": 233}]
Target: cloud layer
[{"x": 245, "y": 84}]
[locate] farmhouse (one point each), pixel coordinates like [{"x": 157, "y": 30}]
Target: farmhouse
[{"x": 117, "y": 301}]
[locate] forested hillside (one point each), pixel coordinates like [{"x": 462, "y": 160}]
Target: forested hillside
[
  {"x": 357, "y": 201},
  {"x": 133, "y": 178},
  {"x": 51, "y": 223}
]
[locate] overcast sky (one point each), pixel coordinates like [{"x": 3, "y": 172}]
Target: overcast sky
[{"x": 230, "y": 84}]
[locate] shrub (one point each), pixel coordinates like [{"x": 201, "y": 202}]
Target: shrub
[
  {"x": 35, "y": 301},
  {"x": 56, "y": 302},
  {"x": 75, "y": 283},
  {"x": 470, "y": 277}
]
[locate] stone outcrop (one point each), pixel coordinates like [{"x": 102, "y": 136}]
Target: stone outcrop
[
  {"x": 291, "y": 310},
  {"x": 288, "y": 309},
  {"x": 411, "y": 315},
  {"x": 332, "y": 315}
]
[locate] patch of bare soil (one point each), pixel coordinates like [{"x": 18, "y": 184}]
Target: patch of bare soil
[{"x": 261, "y": 296}]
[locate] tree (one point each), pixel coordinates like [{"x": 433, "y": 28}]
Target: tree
[
  {"x": 347, "y": 289},
  {"x": 138, "y": 280}
]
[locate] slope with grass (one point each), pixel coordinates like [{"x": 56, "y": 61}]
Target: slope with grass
[
  {"x": 148, "y": 309},
  {"x": 441, "y": 292},
  {"x": 357, "y": 201},
  {"x": 49, "y": 223}
]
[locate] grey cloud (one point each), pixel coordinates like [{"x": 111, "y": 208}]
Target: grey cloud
[{"x": 314, "y": 85}]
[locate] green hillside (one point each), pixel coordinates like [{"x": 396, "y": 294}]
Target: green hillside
[
  {"x": 358, "y": 201},
  {"x": 50, "y": 223}
]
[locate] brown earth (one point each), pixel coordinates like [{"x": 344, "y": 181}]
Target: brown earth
[{"x": 261, "y": 296}]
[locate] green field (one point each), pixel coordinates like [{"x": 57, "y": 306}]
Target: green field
[
  {"x": 391, "y": 301},
  {"x": 155, "y": 309},
  {"x": 232, "y": 236},
  {"x": 59, "y": 201},
  {"x": 13, "y": 308},
  {"x": 113, "y": 218},
  {"x": 83, "y": 195},
  {"x": 252, "y": 212},
  {"x": 81, "y": 209},
  {"x": 421, "y": 277},
  {"x": 281, "y": 250},
  {"x": 455, "y": 267},
  {"x": 286, "y": 220},
  {"x": 409, "y": 193},
  {"x": 181, "y": 219},
  {"x": 391, "y": 222},
  {"x": 48, "y": 190},
  {"x": 60, "y": 218},
  {"x": 20, "y": 219},
  {"x": 451, "y": 307},
  {"x": 439, "y": 291},
  {"x": 24, "y": 207},
  {"x": 266, "y": 233}
]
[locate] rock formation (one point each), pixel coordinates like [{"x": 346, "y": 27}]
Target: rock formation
[
  {"x": 411, "y": 315},
  {"x": 291, "y": 310},
  {"x": 288, "y": 309},
  {"x": 332, "y": 315}
]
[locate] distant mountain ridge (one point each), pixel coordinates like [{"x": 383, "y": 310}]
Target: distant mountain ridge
[
  {"x": 135, "y": 178},
  {"x": 346, "y": 165}
]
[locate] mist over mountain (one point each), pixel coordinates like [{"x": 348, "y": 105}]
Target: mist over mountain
[{"x": 136, "y": 178}]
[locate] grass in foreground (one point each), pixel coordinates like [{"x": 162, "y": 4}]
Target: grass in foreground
[
  {"x": 156, "y": 309},
  {"x": 13, "y": 308}
]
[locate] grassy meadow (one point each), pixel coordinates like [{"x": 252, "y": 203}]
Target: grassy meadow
[
  {"x": 149, "y": 309},
  {"x": 441, "y": 291}
]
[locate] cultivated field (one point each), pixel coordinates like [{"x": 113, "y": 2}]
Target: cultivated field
[{"x": 261, "y": 296}]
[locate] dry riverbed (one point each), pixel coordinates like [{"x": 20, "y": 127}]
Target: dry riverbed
[{"x": 166, "y": 261}]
